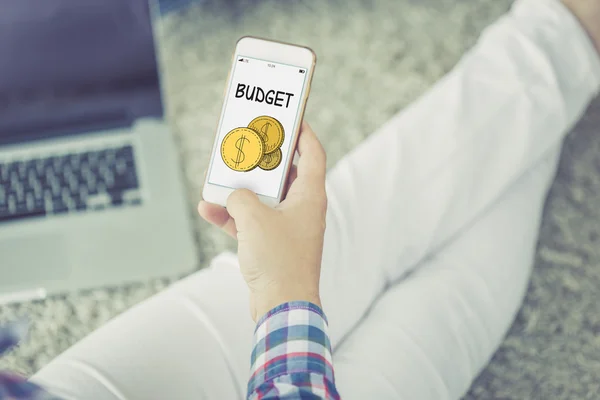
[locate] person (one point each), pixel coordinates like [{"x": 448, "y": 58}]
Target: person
[{"x": 418, "y": 245}]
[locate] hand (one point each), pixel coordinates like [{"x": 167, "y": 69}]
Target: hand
[
  {"x": 588, "y": 13},
  {"x": 280, "y": 248}
]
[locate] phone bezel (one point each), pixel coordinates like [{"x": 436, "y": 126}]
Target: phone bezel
[{"x": 277, "y": 52}]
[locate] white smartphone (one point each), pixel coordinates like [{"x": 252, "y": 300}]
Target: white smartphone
[{"x": 264, "y": 105}]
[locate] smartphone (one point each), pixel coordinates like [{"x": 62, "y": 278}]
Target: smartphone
[{"x": 264, "y": 105}]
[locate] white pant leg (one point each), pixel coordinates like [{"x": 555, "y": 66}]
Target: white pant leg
[
  {"x": 439, "y": 163},
  {"x": 189, "y": 342},
  {"x": 429, "y": 335},
  {"x": 449, "y": 156}
]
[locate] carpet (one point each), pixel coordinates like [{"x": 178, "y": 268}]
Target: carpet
[{"x": 375, "y": 57}]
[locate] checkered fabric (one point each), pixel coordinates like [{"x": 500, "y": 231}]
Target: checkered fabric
[
  {"x": 13, "y": 387},
  {"x": 292, "y": 355}
]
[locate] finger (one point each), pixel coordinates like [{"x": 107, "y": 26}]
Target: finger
[
  {"x": 292, "y": 175},
  {"x": 218, "y": 216},
  {"x": 291, "y": 179},
  {"x": 244, "y": 206},
  {"x": 312, "y": 162}
]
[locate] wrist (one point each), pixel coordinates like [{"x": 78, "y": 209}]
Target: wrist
[
  {"x": 265, "y": 302},
  {"x": 588, "y": 14}
]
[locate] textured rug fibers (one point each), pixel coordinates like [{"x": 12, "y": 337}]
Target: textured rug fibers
[{"x": 375, "y": 56}]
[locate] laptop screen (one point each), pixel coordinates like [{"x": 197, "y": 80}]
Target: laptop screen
[{"x": 70, "y": 66}]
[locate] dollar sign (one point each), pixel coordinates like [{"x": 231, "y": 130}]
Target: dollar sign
[
  {"x": 239, "y": 144},
  {"x": 264, "y": 131}
]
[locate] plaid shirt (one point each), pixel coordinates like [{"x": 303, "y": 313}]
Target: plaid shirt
[
  {"x": 291, "y": 358},
  {"x": 13, "y": 386},
  {"x": 292, "y": 355}
]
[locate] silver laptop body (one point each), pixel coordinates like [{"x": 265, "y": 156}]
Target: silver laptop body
[{"x": 91, "y": 190}]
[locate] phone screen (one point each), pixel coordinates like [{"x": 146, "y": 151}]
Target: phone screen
[{"x": 255, "y": 134}]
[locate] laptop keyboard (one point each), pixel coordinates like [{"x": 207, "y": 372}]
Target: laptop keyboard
[{"x": 69, "y": 183}]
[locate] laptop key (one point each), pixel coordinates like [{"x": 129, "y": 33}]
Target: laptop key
[
  {"x": 75, "y": 161},
  {"x": 58, "y": 162},
  {"x": 21, "y": 208},
  {"x": 20, "y": 168},
  {"x": 55, "y": 187},
  {"x": 20, "y": 193},
  {"x": 98, "y": 201},
  {"x": 125, "y": 152},
  {"x": 30, "y": 171},
  {"x": 39, "y": 204},
  {"x": 38, "y": 165},
  {"x": 78, "y": 202},
  {"x": 29, "y": 201},
  {"x": 132, "y": 197},
  {"x": 126, "y": 180},
  {"x": 11, "y": 202},
  {"x": 11, "y": 169},
  {"x": 3, "y": 173},
  {"x": 58, "y": 206},
  {"x": 116, "y": 198}
]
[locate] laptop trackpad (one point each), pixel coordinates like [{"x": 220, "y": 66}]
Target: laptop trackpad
[{"x": 33, "y": 260}]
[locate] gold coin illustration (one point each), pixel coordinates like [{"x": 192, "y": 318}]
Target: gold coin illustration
[
  {"x": 242, "y": 149},
  {"x": 270, "y": 130},
  {"x": 271, "y": 161}
]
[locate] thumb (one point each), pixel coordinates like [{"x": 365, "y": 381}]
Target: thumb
[{"x": 244, "y": 207}]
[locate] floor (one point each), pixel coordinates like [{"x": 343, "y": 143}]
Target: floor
[{"x": 552, "y": 350}]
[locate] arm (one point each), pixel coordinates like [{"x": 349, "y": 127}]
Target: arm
[
  {"x": 280, "y": 252},
  {"x": 292, "y": 355},
  {"x": 588, "y": 14}
]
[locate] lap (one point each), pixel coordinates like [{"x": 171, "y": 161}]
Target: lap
[
  {"x": 426, "y": 337},
  {"x": 430, "y": 334},
  {"x": 191, "y": 341}
]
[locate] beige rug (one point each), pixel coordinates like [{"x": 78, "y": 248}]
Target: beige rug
[{"x": 552, "y": 351}]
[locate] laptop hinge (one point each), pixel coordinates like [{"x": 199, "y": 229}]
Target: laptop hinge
[{"x": 40, "y": 120}]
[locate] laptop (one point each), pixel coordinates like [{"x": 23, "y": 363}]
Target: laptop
[{"x": 91, "y": 189}]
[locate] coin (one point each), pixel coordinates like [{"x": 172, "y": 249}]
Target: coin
[
  {"x": 242, "y": 149},
  {"x": 271, "y": 161},
  {"x": 271, "y": 131}
]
